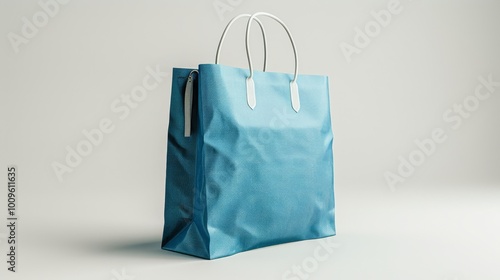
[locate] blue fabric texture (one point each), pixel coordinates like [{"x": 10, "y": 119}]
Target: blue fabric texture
[{"x": 247, "y": 178}]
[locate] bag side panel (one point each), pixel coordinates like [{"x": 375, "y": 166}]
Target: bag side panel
[{"x": 181, "y": 233}]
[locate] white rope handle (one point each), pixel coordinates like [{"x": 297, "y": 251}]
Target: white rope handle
[
  {"x": 221, "y": 41},
  {"x": 294, "y": 90}
]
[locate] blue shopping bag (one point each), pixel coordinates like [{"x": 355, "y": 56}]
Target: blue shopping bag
[{"x": 249, "y": 158}]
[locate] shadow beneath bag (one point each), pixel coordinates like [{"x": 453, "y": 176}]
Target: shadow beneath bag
[{"x": 138, "y": 249}]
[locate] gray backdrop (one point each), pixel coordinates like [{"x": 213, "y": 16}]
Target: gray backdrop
[{"x": 415, "y": 93}]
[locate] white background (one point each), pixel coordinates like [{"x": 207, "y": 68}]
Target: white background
[{"x": 104, "y": 219}]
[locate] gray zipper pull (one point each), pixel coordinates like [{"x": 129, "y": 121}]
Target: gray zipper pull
[{"x": 188, "y": 103}]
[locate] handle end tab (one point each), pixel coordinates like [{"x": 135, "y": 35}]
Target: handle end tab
[
  {"x": 251, "y": 101},
  {"x": 294, "y": 96}
]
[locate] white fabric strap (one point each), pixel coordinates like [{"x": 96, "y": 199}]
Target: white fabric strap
[
  {"x": 224, "y": 33},
  {"x": 294, "y": 89}
]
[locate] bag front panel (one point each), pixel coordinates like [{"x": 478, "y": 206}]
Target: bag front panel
[{"x": 267, "y": 172}]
